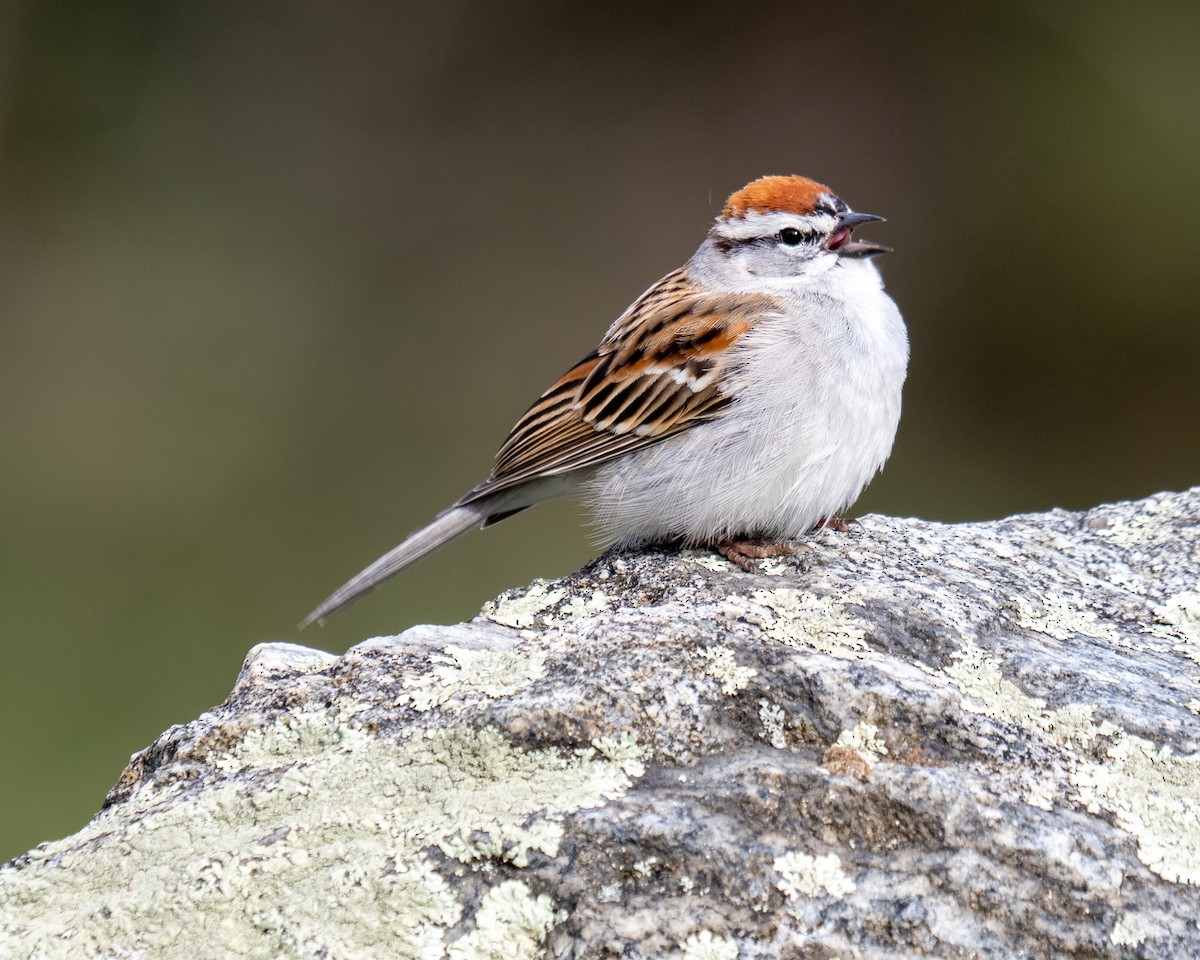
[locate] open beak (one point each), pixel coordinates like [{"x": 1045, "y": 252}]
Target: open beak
[
  {"x": 841, "y": 243},
  {"x": 853, "y": 220}
]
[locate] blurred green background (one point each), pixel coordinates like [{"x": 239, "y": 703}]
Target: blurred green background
[{"x": 277, "y": 278}]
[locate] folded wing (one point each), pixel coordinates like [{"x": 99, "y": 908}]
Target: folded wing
[{"x": 660, "y": 370}]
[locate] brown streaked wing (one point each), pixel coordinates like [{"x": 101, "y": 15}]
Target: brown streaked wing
[{"x": 658, "y": 371}]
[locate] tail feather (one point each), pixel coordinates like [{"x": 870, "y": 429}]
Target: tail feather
[{"x": 455, "y": 521}]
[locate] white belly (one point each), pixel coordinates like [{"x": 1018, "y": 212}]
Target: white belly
[{"x": 816, "y": 406}]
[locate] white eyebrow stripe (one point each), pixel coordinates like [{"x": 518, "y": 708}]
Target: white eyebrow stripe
[{"x": 756, "y": 224}]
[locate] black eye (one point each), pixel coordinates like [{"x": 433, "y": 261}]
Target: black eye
[{"x": 790, "y": 235}]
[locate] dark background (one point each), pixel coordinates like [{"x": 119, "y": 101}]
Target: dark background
[{"x": 276, "y": 278}]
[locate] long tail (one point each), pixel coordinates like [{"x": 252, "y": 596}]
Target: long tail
[{"x": 455, "y": 521}]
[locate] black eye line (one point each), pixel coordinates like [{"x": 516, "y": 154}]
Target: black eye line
[
  {"x": 795, "y": 236},
  {"x": 729, "y": 244}
]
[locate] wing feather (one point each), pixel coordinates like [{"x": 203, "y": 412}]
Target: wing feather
[{"x": 659, "y": 370}]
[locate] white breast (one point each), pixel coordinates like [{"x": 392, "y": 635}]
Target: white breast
[{"x": 816, "y": 405}]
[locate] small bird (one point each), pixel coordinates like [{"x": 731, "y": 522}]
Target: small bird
[{"x": 742, "y": 400}]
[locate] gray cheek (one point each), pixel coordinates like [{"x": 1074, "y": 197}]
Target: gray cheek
[
  {"x": 745, "y": 262},
  {"x": 774, "y": 262}
]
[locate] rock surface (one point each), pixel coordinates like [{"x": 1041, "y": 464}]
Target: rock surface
[{"x": 913, "y": 740}]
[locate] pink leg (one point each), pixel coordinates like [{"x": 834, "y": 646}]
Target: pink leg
[
  {"x": 745, "y": 552},
  {"x": 840, "y": 524}
]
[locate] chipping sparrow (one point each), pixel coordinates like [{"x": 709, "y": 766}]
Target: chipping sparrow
[{"x": 741, "y": 400}]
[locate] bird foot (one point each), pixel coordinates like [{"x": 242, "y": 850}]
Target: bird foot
[
  {"x": 743, "y": 553},
  {"x": 840, "y": 524}
]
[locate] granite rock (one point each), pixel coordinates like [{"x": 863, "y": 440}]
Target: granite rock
[{"x": 910, "y": 740}]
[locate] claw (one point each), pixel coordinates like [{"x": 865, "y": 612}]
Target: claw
[
  {"x": 743, "y": 553},
  {"x": 840, "y": 524}
]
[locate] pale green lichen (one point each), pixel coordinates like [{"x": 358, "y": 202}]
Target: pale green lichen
[
  {"x": 624, "y": 751},
  {"x": 514, "y": 846},
  {"x": 1155, "y": 795},
  {"x": 577, "y": 607},
  {"x": 643, "y": 868},
  {"x": 706, "y": 945},
  {"x": 775, "y": 566},
  {"x": 1179, "y": 619},
  {"x": 324, "y": 855},
  {"x": 492, "y": 673},
  {"x": 863, "y": 737},
  {"x": 292, "y": 737},
  {"x": 510, "y": 924},
  {"x": 803, "y": 875},
  {"x": 541, "y": 606},
  {"x": 1061, "y": 618},
  {"x": 1151, "y": 522},
  {"x": 1126, "y": 933},
  {"x": 1182, "y": 612},
  {"x": 1125, "y": 533},
  {"x": 978, "y": 676},
  {"x": 722, "y": 666},
  {"x": 525, "y": 610},
  {"x": 708, "y": 560},
  {"x": 802, "y": 619},
  {"x": 772, "y": 718},
  {"x": 1127, "y": 581},
  {"x": 988, "y": 693},
  {"x": 1041, "y": 794}
]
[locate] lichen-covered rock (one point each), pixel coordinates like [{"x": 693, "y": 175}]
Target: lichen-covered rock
[{"x": 912, "y": 740}]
